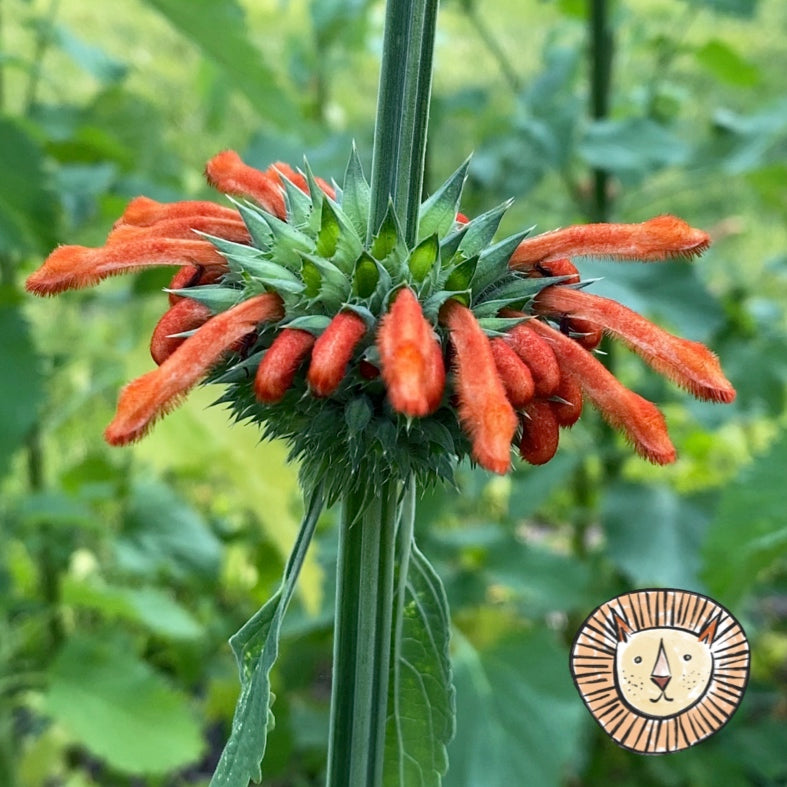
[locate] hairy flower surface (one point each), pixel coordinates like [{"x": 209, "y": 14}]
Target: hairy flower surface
[{"x": 371, "y": 357}]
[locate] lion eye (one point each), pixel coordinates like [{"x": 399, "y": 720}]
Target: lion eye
[
  {"x": 638, "y": 659},
  {"x": 687, "y": 656}
]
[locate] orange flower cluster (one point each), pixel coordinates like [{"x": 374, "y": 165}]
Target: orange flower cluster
[{"x": 520, "y": 386}]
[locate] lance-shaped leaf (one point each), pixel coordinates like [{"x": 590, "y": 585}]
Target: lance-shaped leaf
[
  {"x": 334, "y": 284},
  {"x": 356, "y": 194},
  {"x": 214, "y": 296},
  {"x": 273, "y": 275},
  {"x": 482, "y": 229},
  {"x": 258, "y": 228},
  {"x": 287, "y": 242},
  {"x": 438, "y": 212},
  {"x": 256, "y": 647},
  {"x": 493, "y": 261},
  {"x": 297, "y": 203},
  {"x": 421, "y": 693},
  {"x": 459, "y": 277}
]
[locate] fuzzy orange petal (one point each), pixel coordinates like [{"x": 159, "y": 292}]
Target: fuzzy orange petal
[
  {"x": 332, "y": 352},
  {"x": 660, "y": 238},
  {"x": 640, "y": 420},
  {"x": 188, "y": 227},
  {"x": 536, "y": 354},
  {"x": 414, "y": 374},
  {"x": 689, "y": 364},
  {"x": 143, "y": 211},
  {"x": 540, "y": 432},
  {"x": 154, "y": 394},
  {"x": 227, "y": 173},
  {"x": 72, "y": 267},
  {"x": 514, "y": 374},
  {"x": 484, "y": 409}
]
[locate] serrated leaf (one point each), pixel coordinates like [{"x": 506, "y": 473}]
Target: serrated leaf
[
  {"x": 334, "y": 284},
  {"x": 254, "y": 220},
  {"x": 297, "y": 204},
  {"x": 432, "y": 305},
  {"x": 450, "y": 244},
  {"x": 273, "y": 275},
  {"x": 421, "y": 693},
  {"x": 119, "y": 709},
  {"x": 493, "y": 261},
  {"x": 424, "y": 257},
  {"x": 482, "y": 229},
  {"x": 496, "y": 326},
  {"x": 328, "y": 236},
  {"x": 357, "y": 414},
  {"x": 356, "y": 195},
  {"x": 256, "y": 647},
  {"x": 288, "y": 243},
  {"x": 389, "y": 235},
  {"x": 438, "y": 212}
]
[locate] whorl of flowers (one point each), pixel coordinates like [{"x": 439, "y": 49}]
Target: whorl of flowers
[{"x": 372, "y": 358}]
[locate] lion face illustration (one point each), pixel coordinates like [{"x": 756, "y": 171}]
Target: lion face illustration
[{"x": 660, "y": 670}]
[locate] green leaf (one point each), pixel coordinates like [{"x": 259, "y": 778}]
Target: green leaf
[
  {"x": 254, "y": 219},
  {"x": 461, "y": 275},
  {"x": 21, "y": 384},
  {"x": 654, "y": 535},
  {"x": 28, "y": 209},
  {"x": 727, "y": 65},
  {"x": 631, "y": 146},
  {"x": 518, "y": 715},
  {"x": 163, "y": 535},
  {"x": 214, "y": 296},
  {"x": 493, "y": 262},
  {"x": 105, "y": 68},
  {"x": 424, "y": 257},
  {"x": 421, "y": 696},
  {"x": 298, "y": 204},
  {"x": 256, "y": 647},
  {"x": 749, "y": 533},
  {"x": 482, "y": 229},
  {"x": 365, "y": 277},
  {"x": 120, "y": 709},
  {"x": 356, "y": 195},
  {"x": 438, "y": 213},
  {"x": 313, "y": 323},
  {"x": 219, "y": 29}
]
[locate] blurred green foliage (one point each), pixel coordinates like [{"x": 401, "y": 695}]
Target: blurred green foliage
[{"x": 123, "y": 573}]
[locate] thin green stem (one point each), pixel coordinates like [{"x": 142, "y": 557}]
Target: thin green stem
[
  {"x": 362, "y": 636},
  {"x": 403, "y": 112},
  {"x": 601, "y": 50}
]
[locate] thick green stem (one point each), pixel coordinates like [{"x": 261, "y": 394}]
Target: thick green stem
[
  {"x": 403, "y": 112},
  {"x": 362, "y": 636}
]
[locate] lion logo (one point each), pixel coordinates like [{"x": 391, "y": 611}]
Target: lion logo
[{"x": 660, "y": 670}]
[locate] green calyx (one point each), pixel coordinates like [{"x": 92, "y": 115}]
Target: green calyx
[{"x": 319, "y": 262}]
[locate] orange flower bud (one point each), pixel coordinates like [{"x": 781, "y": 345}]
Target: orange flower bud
[
  {"x": 569, "y": 410},
  {"x": 280, "y": 363},
  {"x": 188, "y": 227},
  {"x": 71, "y": 267},
  {"x": 193, "y": 276},
  {"x": 560, "y": 267},
  {"x": 412, "y": 362},
  {"x": 639, "y": 419},
  {"x": 656, "y": 239},
  {"x": 514, "y": 374},
  {"x": 333, "y": 351},
  {"x": 143, "y": 211},
  {"x": 689, "y": 364},
  {"x": 540, "y": 432},
  {"x": 185, "y": 315},
  {"x": 154, "y": 394},
  {"x": 537, "y": 355},
  {"x": 226, "y": 172},
  {"x": 484, "y": 410}
]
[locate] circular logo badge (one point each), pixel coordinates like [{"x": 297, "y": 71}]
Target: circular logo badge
[{"x": 661, "y": 669}]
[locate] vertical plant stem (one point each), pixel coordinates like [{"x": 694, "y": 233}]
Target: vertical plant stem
[
  {"x": 362, "y": 636},
  {"x": 601, "y": 43},
  {"x": 403, "y": 112},
  {"x": 42, "y": 42}
]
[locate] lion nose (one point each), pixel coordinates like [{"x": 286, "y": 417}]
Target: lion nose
[{"x": 661, "y": 680}]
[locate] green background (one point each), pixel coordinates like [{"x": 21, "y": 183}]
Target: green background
[{"x": 123, "y": 572}]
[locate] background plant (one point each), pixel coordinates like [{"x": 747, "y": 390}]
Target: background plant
[{"x": 124, "y": 573}]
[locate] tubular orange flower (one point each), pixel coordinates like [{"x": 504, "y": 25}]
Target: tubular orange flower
[
  {"x": 185, "y": 315},
  {"x": 514, "y": 374},
  {"x": 332, "y": 352},
  {"x": 567, "y": 404},
  {"x": 484, "y": 409},
  {"x": 143, "y": 211},
  {"x": 637, "y": 418},
  {"x": 412, "y": 371},
  {"x": 230, "y": 229},
  {"x": 655, "y": 239},
  {"x": 540, "y": 432},
  {"x": 280, "y": 363},
  {"x": 72, "y": 267},
  {"x": 156, "y": 393},
  {"x": 689, "y": 364},
  {"x": 193, "y": 276}
]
